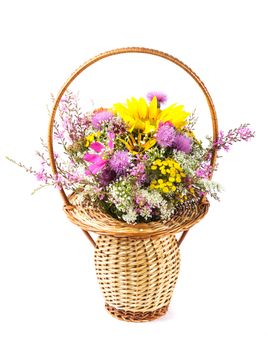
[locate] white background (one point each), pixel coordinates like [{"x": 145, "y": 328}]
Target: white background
[{"x": 49, "y": 298}]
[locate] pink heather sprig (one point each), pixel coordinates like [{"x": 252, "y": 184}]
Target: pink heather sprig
[
  {"x": 142, "y": 204},
  {"x": 66, "y": 178},
  {"x": 204, "y": 171},
  {"x": 224, "y": 141},
  {"x": 73, "y": 122},
  {"x": 138, "y": 169},
  {"x": 243, "y": 133}
]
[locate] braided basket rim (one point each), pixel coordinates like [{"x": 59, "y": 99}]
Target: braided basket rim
[{"x": 95, "y": 220}]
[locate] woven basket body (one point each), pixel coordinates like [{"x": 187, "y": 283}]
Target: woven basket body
[
  {"x": 137, "y": 265},
  {"x": 137, "y": 276}
]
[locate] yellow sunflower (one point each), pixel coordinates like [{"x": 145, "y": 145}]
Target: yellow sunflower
[{"x": 145, "y": 117}]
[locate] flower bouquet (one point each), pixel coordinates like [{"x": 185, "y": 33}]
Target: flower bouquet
[
  {"x": 135, "y": 161},
  {"x": 136, "y": 174}
]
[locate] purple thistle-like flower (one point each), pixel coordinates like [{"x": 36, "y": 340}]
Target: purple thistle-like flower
[
  {"x": 160, "y": 96},
  {"x": 106, "y": 176},
  {"x": 101, "y": 117},
  {"x": 120, "y": 162},
  {"x": 182, "y": 143},
  {"x": 166, "y": 134}
]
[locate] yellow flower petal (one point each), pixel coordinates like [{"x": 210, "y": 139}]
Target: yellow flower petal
[
  {"x": 132, "y": 139},
  {"x": 142, "y": 109},
  {"x": 149, "y": 144},
  {"x": 175, "y": 114},
  {"x": 139, "y": 138},
  {"x": 141, "y": 116},
  {"x": 132, "y": 105},
  {"x": 153, "y": 110},
  {"x": 120, "y": 109},
  {"x": 178, "y": 179},
  {"x": 148, "y": 127},
  {"x": 127, "y": 145}
]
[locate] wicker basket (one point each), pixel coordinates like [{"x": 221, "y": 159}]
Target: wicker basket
[{"x": 137, "y": 266}]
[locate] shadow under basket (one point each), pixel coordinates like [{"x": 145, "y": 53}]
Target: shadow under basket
[{"x": 137, "y": 266}]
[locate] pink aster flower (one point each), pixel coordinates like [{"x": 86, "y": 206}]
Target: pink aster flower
[
  {"x": 182, "y": 143},
  {"x": 97, "y": 163},
  {"x": 166, "y": 134},
  {"x": 101, "y": 117},
  {"x": 160, "y": 96},
  {"x": 97, "y": 160},
  {"x": 97, "y": 146}
]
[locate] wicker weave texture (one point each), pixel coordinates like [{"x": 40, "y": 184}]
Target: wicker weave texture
[
  {"x": 136, "y": 316},
  {"x": 137, "y": 276},
  {"x": 94, "y": 220}
]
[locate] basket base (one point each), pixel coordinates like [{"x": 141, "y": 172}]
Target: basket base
[{"x": 136, "y": 316}]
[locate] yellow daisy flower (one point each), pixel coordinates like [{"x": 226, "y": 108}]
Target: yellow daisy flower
[{"x": 145, "y": 117}]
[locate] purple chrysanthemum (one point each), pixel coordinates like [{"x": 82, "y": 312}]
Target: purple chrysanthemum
[
  {"x": 182, "y": 143},
  {"x": 119, "y": 162},
  {"x": 166, "y": 134},
  {"x": 100, "y": 117},
  {"x": 160, "y": 96}
]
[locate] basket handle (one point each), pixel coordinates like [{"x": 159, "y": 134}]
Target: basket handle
[{"x": 122, "y": 51}]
